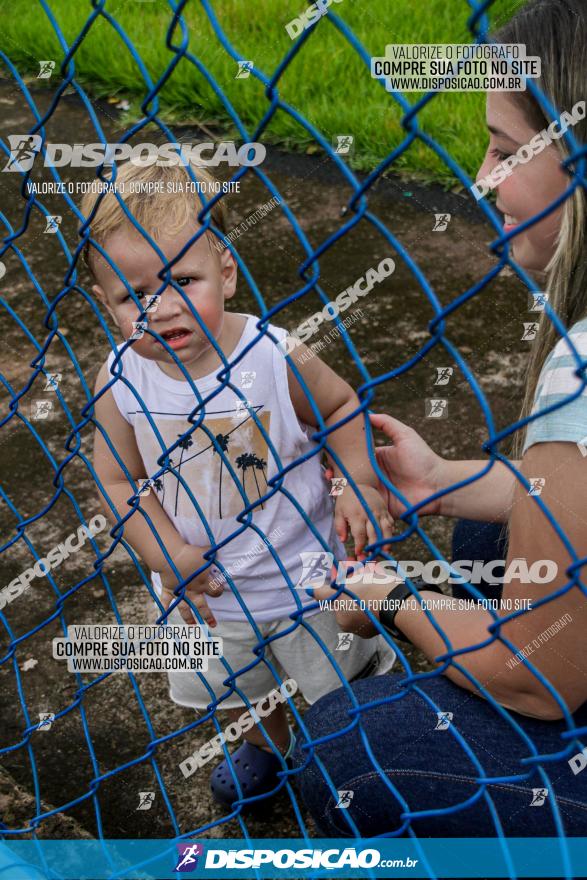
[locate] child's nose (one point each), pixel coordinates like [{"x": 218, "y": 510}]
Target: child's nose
[{"x": 169, "y": 303}]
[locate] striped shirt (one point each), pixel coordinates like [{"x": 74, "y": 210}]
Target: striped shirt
[{"x": 557, "y": 382}]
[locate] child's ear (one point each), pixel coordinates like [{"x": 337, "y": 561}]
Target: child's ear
[
  {"x": 101, "y": 296},
  {"x": 229, "y": 273}
]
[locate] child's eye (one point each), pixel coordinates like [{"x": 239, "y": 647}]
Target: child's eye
[
  {"x": 184, "y": 280},
  {"x": 140, "y": 294}
]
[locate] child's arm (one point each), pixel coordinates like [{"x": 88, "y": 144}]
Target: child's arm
[
  {"x": 335, "y": 399},
  {"x": 117, "y": 489}
]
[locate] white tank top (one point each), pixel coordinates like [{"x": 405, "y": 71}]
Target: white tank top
[{"x": 261, "y": 377}]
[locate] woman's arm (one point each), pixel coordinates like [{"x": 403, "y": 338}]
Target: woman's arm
[
  {"x": 551, "y": 636},
  {"x": 488, "y": 499}
]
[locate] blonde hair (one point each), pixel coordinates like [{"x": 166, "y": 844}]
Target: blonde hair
[
  {"x": 556, "y": 31},
  {"x": 158, "y": 213}
]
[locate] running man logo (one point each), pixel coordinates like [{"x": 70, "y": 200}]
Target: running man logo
[
  {"x": 344, "y": 799},
  {"x": 146, "y": 799},
  {"x": 53, "y": 380},
  {"x": 441, "y": 222},
  {"x": 138, "y": 331},
  {"x": 153, "y": 303},
  {"x": 46, "y": 68},
  {"x": 23, "y": 151},
  {"x": 46, "y": 719},
  {"x": 41, "y": 409},
  {"x": 530, "y": 331},
  {"x": 436, "y": 408},
  {"x": 444, "y": 719},
  {"x": 343, "y": 144},
  {"x": 443, "y": 376},
  {"x": 316, "y": 568},
  {"x": 247, "y": 378},
  {"x": 187, "y": 856},
  {"x": 537, "y": 484},
  {"x": 344, "y": 641},
  {"x": 539, "y": 796},
  {"x": 53, "y": 222},
  {"x": 242, "y": 408},
  {"x": 538, "y": 301},
  {"x": 244, "y": 69},
  {"x": 338, "y": 484}
]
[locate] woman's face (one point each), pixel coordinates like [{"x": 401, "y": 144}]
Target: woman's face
[{"x": 529, "y": 187}]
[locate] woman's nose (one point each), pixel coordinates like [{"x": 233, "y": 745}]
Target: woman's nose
[{"x": 485, "y": 168}]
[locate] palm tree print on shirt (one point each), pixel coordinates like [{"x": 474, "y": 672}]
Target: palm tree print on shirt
[
  {"x": 219, "y": 471},
  {"x": 159, "y": 486},
  {"x": 183, "y": 445},
  {"x": 250, "y": 460},
  {"x": 223, "y": 440}
]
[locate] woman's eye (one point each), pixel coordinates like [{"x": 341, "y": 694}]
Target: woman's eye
[{"x": 499, "y": 155}]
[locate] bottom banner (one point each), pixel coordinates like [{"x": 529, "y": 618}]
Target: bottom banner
[{"x": 340, "y": 858}]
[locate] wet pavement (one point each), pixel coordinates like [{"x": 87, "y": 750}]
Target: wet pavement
[{"x": 390, "y": 330}]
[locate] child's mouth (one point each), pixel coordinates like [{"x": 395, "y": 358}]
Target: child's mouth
[{"x": 177, "y": 337}]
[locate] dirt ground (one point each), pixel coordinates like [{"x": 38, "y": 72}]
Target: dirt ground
[{"x": 45, "y": 478}]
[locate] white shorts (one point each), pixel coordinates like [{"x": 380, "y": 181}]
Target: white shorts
[{"x": 297, "y": 655}]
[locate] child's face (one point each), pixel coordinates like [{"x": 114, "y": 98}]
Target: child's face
[
  {"x": 206, "y": 277},
  {"x": 529, "y": 188}
]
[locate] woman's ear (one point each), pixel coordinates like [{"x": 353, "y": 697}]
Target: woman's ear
[
  {"x": 229, "y": 273},
  {"x": 101, "y": 296}
]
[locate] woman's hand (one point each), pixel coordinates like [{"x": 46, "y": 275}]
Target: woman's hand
[
  {"x": 409, "y": 464},
  {"x": 188, "y": 560}
]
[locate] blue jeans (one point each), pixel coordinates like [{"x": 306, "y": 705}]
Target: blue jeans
[
  {"x": 422, "y": 768},
  {"x": 431, "y": 770},
  {"x": 479, "y": 540}
]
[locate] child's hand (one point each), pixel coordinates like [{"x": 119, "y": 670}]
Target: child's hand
[
  {"x": 188, "y": 560},
  {"x": 350, "y": 513}
]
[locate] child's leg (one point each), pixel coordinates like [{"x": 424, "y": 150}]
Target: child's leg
[{"x": 275, "y": 726}]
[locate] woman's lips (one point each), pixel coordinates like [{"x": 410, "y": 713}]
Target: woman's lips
[{"x": 510, "y": 223}]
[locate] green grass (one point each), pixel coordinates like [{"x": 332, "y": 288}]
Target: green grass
[{"x": 326, "y": 82}]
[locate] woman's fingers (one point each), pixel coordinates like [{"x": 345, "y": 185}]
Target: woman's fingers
[{"x": 392, "y": 428}]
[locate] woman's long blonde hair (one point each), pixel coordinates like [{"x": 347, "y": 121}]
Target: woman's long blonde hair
[{"x": 556, "y": 31}]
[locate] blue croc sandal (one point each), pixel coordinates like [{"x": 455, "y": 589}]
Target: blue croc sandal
[{"x": 255, "y": 769}]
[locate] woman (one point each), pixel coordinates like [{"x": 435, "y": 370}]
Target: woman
[{"x": 406, "y": 765}]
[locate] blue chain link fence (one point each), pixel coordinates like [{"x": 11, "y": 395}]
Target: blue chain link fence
[{"x": 69, "y": 452}]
